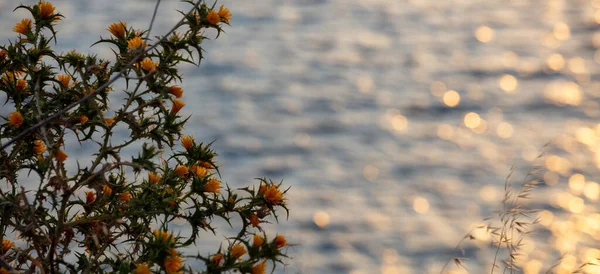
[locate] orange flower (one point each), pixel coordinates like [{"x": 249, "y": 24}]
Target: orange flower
[
  {"x": 280, "y": 241},
  {"x": 125, "y": 197},
  {"x": 213, "y": 186},
  {"x": 181, "y": 170},
  {"x": 109, "y": 121},
  {"x": 89, "y": 197},
  {"x": 259, "y": 268},
  {"x": 257, "y": 241},
  {"x": 217, "y": 259},
  {"x": 199, "y": 171},
  {"x": 46, "y": 9},
  {"x": 213, "y": 17},
  {"x": 173, "y": 262},
  {"x": 39, "y": 147},
  {"x": 6, "y": 245},
  {"x": 177, "y": 105},
  {"x": 273, "y": 195},
  {"x": 187, "y": 142},
  {"x": 262, "y": 189},
  {"x": 254, "y": 221},
  {"x": 176, "y": 90},
  {"x": 118, "y": 30},
  {"x": 148, "y": 65},
  {"x": 224, "y": 14},
  {"x": 107, "y": 190},
  {"x": 23, "y": 27},
  {"x": 238, "y": 251},
  {"x": 21, "y": 85},
  {"x": 3, "y": 54},
  {"x": 15, "y": 119},
  {"x": 4, "y": 271},
  {"x": 83, "y": 119},
  {"x": 64, "y": 79},
  {"x": 153, "y": 178},
  {"x": 61, "y": 156},
  {"x": 163, "y": 236},
  {"x": 142, "y": 269},
  {"x": 136, "y": 42}
]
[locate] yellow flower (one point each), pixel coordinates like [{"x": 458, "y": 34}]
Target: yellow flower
[
  {"x": 254, "y": 221},
  {"x": 23, "y": 27},
  {"x": 89, "y": 197},
  {"x": 280, "y": 241},
  {"x": 142, "y": 269},
  {"x": 148, "y": 65},
  {"x": 213, "y": 186},
  {"x": 187, "y": 142},
  {"x": 257, "y": 241},
  {"x": 8, "y": 78},
  {"x": 39, "y": 147},
  {"x": 163, "y": 236},
  {"x": 136, "y": 42},
  {"x": 107, "y": 190},
  {"x": 15, "y": 119},
  {"x": 213, "y": 17},
  {"x": 224, "y": 14},
  {"x": 177, "y": 105},
  {"x": 181, "y": 170},
  {"x": 238, "y": 251},
  {"x": 61, "y": 156},
  {"x": 199, "y": 171},
  {"x": 173, "y": 262},
  {"x": 125, "y": 197},
  {"x": 118, "y": 30},
  {"x": 153, "y": 178},
  {"x": 217, "y": 259},
  {"x": 64, "y": 79},
  {"x": 83, "y": 119},
  {"x": 259, "y": 268},
  {"x": 46, "y": 9},
  {"x": 6, "y": 245},
  {"x": 109, "y": 121},
  {"x": 273, "y": 195},
  {"x": 21, "y": 85},
  {"x": 176, "y": 90}
]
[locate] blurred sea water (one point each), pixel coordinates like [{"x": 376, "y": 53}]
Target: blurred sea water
[{"x": 394, "y": 122}]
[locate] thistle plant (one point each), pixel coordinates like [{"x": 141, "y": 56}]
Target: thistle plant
[{"x": 113, "y": 213}]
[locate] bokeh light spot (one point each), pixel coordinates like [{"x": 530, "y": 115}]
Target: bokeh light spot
[
  {"x": 592, "y": 191},
  {"x": 321, "y": 218},
  {"x": 421, "y": 205},
  {"x": 370, "y": 172},
  {"x": 555, "y": 61},
  {"x": 561, "y": 31},
  {"x": 504, "y": 130},
  {"x": 508, "y": 83},
  {"x": 451, "y": 98},
  {"x": 472, "y": 120},
  {"x": 399, "y": 122},
  {"x": 484, "y": 34}
]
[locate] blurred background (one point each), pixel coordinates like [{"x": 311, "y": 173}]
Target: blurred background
[{"x": 395, "y": 122}]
